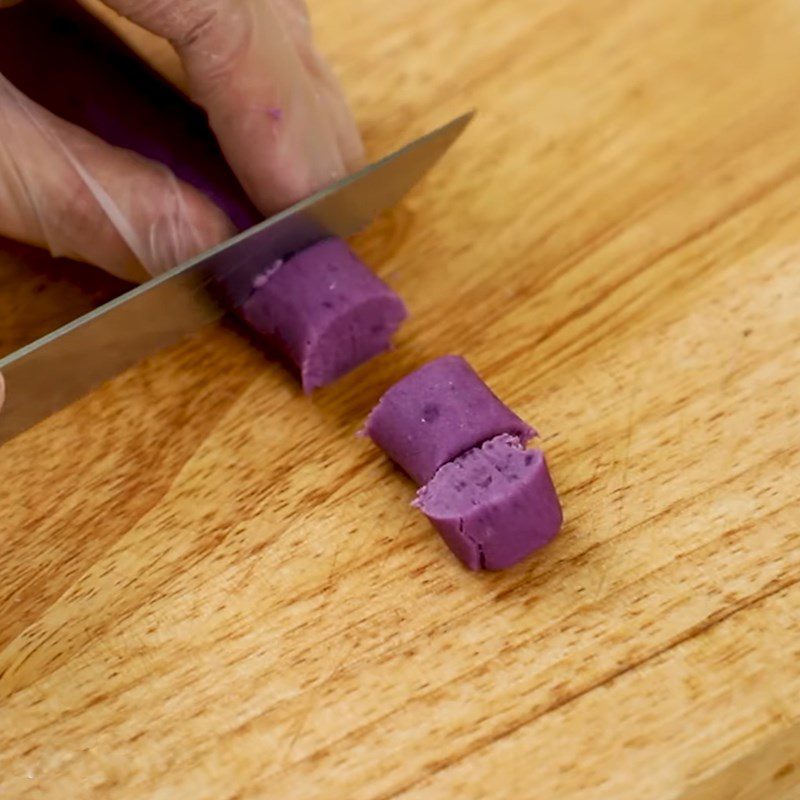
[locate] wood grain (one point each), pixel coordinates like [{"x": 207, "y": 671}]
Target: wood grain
[{"x": 209, "y": 588}]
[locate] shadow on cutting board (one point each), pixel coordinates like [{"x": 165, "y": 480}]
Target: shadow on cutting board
[{"x": 39, "y": 293}]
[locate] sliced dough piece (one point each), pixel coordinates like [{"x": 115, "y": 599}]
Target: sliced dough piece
[
  {"x": 436, "y": 413},
  {"x": 494, "y": 505},
  {"x": 325, "y": 311}
]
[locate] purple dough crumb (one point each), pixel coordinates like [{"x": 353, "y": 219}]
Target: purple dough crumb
[
  {"x": 262, "y": 277},
  {"x": 436, "y": 413},
  {"x": 275, "y": 113},
  {"x": 325, "y": 310},
  {"x": 493, "y": 505}
]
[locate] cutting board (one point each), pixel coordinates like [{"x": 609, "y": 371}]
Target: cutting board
[{"x": 211, "y": 588}]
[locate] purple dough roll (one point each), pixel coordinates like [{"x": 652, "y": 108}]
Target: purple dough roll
[
  {"x": 436, "y": 413},
  {"x": 325, "y": 310},
  {"x": 494, "y": 505}
]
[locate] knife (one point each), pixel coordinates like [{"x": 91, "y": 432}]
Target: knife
[{"x": 58, "y": 368}]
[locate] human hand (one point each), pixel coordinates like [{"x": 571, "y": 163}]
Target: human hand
[{"x": 272, "y": 102}]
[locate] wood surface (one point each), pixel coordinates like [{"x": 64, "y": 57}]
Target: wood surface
[{"x": 209, "y": 588}]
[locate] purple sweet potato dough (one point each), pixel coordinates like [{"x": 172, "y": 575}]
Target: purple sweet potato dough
[
  {"x": 437, "y": 413},
  {"x": 493, "y": 505},
  {"x": 324, "y": 310}
]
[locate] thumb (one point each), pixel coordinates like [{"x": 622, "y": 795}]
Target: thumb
[{"x": 64, "y": 189}]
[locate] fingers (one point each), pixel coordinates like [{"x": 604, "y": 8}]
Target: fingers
[
  {"x": 273, "y": 102},
  {"x": 64, "y": 189}
]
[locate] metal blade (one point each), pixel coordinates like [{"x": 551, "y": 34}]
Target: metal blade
[{"x": 55, "y": 370}]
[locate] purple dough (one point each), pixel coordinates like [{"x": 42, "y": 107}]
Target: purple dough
[
  {"x": 324, "y": 310},
  {"x": 436, "y": 413},
  {"x": 492, "y": 501},
  {"x": 493, "y": 505}
]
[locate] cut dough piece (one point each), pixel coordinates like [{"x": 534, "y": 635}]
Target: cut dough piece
[
  {"x": 494, "y": 505},
  {"x": 437, "y": 413},
  {"x": 324, "y": 310}
]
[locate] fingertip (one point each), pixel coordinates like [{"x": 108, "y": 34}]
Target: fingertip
[
  {"x": 348, "y": 137},
  {"x": 355, "y": 155},
  {"x": 184, "y": 223},
  {"x": 140, "y": 219}
]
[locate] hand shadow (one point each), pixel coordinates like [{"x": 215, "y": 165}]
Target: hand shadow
[{"x": 39, "y": 293}]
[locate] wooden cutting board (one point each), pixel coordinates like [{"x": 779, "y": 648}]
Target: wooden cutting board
[{"x": 209, "y": 588}]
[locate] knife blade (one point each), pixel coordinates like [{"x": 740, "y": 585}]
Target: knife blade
[{"x": 62, "y": 366}]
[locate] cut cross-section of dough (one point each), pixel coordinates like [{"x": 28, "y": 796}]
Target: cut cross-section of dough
[{"x": 493, "y": 505}]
